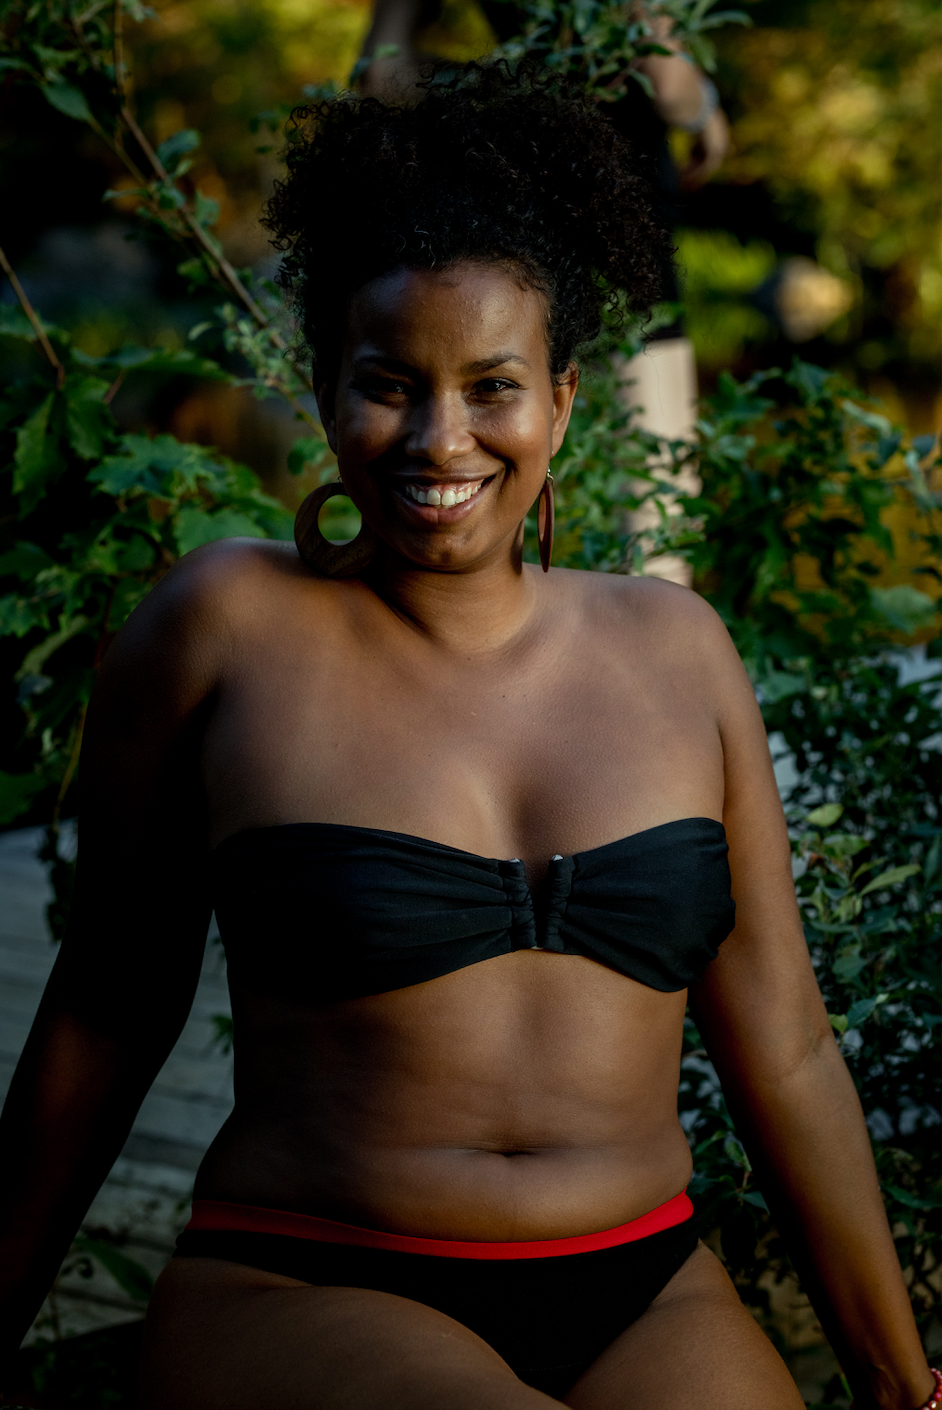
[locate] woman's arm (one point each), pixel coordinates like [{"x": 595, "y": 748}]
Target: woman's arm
[
  {"x": 760, "y": 1013},
  {"x": 124, "y": 980},
  {"x": 395, "y": 23},
  {"x": 684, "y": 97}
]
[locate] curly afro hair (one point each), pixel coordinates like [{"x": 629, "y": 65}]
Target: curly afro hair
[{"x": 490, "y": 164}]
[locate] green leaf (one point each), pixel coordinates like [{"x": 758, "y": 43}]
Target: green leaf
[
  {"x": 825, "y": 816},
  {"x": 68, "y": 99},
  {"x": 195, "y": 271},
  {"x": 847, "y": 967},
  {"x": 206, "y": 209},
  {"x": 17, "y": 791},
  {"x": 170, "y": 151},
  {"x": 306, "y": 450},
  {"x": 135, "y": 556},
  {"x": 911, "y": 1201},
  {"x": 30, "y": 457},
  {"x": 114, "y": 194},
  {"x": 779, "y": 685},
  {"x": 904, "y": 607},
  {"x": 890, "y": 878},
  {"x": 182, "y": 360},
  {"x": 861, "y": 1010},
  {"x": 838, "y": 1022},
  {"x": 152, "y": 466},
  {"x": 195, "y": 527},
  {"x": 844, "y": 844},
  {"x": 15, "y": 324},
  {"x": 17, "y": 616},
  {"x": 88, "y": 420},
  {"x": 127, "y": 1273},
  {"x": 24, "y": 561}
]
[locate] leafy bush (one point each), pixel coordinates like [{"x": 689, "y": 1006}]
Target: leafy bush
[{"x": 91, "y": 518}]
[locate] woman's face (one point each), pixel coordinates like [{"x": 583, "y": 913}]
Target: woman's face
[{"x": 444, "y": 416}]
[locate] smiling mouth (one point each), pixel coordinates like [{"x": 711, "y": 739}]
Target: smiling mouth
[{"x": 444, "y": 497}]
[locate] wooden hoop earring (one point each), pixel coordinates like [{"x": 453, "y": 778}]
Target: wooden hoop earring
[
  {"x": 330, "y": 560},
  {"x": 546, "y": 521}
]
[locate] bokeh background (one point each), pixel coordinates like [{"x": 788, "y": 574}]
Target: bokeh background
[{"x": 820, "y": 234}]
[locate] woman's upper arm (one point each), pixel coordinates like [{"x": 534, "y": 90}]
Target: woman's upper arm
[
  {"x": 758, "y": 1007},
  {"x": 139, "y": 912}
]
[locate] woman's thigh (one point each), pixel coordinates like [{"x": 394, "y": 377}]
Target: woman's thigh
[
  {"x": 695, "y": 1345},
  {"x": 220, "y": 1336}
]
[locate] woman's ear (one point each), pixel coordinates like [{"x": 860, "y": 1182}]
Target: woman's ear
[
  {"x": 564, "y": 392},
  {"x": 326, "y": 394}
]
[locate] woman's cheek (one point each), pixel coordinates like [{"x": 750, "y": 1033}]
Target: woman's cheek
[{"x": 369, "y": 430}]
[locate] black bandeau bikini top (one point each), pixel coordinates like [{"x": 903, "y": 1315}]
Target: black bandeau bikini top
[{"x": 322, "y": 911}]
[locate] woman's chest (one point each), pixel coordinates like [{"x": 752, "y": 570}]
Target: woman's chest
[{"x": 560, "y": 753}]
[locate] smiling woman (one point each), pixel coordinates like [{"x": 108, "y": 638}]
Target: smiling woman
[{"x": 474, "y": 836}]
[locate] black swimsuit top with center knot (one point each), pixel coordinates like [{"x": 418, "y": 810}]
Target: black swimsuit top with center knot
[{"x": 323, "y": 911}]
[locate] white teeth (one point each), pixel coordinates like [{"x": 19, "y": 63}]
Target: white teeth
[{"x": 446, "y": 498}]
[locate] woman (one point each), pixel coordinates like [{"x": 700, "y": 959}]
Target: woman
[{"x": 463, "y": 824}]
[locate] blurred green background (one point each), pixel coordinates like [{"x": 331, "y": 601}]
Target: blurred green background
[{"x": 819, "y": 234}]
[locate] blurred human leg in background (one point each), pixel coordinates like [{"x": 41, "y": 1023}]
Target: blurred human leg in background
[{"x": 661, "y": 383}]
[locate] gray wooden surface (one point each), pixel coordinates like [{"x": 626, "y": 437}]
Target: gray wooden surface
[{"x": 145, "y": 1200}]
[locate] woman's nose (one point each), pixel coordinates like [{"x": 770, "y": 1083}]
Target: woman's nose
[{"x": 439, "y": 430}]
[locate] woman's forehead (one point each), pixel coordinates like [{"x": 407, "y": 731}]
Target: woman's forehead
[{"x": 473, "y": 314}]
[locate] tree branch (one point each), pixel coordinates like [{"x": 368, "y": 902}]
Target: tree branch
[{"x": 32, "y": 316}]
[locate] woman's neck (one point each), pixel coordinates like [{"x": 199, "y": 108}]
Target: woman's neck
[{"x": 480, "y": 609}]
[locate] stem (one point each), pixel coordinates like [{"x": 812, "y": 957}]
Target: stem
[
  {"x": 119, "y": 70},
  {"x": 225, "y": 268},
  {"x": 31, "y": 315},
  {"x": 110, "y": 394}
]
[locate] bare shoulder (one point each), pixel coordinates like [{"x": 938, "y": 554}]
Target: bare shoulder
[
  {"x": 197, "y": 610},
  {"x": 671, "y": 624},
  {"x": 178, "y": 644}
]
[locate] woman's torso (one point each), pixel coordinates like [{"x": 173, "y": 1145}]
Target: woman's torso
[{"x": 529, "y": 1095}]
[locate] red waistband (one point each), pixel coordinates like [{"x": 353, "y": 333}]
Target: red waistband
[{"x": 214, "y": 1214}]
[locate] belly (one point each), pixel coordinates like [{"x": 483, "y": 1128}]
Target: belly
[{"x": 530, "y": 1096}]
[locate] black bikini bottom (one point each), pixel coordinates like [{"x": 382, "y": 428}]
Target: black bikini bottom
[{"x": 549, "y": 1318}]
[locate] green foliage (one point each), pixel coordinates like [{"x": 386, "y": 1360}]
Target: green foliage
[
  {"x": 75, "y": 56},
  {"x": 91, "y": 519},
  {"x": 719, "y": 274},
  {"x": 793, "y": 510},
  {"x": 833, "y": 105},
  {"x": 597, "y": 42}
]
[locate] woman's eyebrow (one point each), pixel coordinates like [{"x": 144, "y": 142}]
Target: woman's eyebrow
[
  {"x": 394, "y": 364},
  {"x": 487, "y": 364},
  {"x": 389, "y": 364}
]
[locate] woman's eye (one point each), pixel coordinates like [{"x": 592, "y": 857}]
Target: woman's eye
[
  {"x": 382, "y": 387},
  {"x": 492, "y": 386}
]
